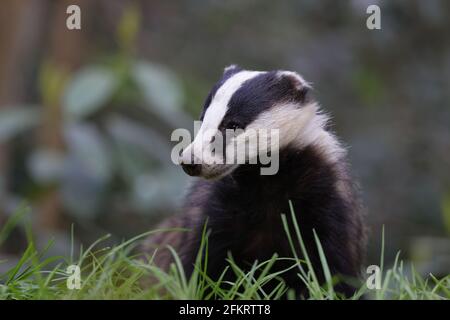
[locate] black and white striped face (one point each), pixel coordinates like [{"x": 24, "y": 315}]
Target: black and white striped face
[{"x": 249, "y": 102}]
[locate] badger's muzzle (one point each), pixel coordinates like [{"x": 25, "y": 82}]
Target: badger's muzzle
[{"x": 192, "y": 169}]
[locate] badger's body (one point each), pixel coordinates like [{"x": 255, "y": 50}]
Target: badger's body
[{"x": 243, "y": 208}]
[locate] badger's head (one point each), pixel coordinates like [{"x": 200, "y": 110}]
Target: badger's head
[{"x": 249, "y": 102}]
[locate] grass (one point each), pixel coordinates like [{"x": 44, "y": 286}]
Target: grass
[{"x": 118, "y": 273}]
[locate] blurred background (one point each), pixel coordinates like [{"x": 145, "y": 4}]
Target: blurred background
[{"x": 86, "y": 115}]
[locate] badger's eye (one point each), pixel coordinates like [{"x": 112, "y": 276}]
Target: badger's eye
[{"x": 233, "y": 125}]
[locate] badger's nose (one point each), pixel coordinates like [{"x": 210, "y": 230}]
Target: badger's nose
[{"x": 191, "y": 169}]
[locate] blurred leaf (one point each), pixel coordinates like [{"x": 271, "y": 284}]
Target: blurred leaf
[
  {"x": 89, "y": 90},
  {"x": 128, "y": 27},
  {"x": 81, "y": 192},
  {"x": 446, "y": 212},
  {"x": 87, "y": 144},
  {"x": 145, "y": 164},
  {"x": 16, "y": 120},
  {"x": 52, "y": 81},
  {"x": 46, "y": 165},
  {"x": 87, "y": 171},
  {"x": 129, "y": 132},
  {"x": 131, "y": 161},
  {"x": 148, "y": 192},
  {"x": 158, "y": 189},
  {"x": 160, "y": 87}
]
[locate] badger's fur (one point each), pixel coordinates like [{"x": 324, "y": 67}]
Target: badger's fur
[{"x": 243, "y": 208}]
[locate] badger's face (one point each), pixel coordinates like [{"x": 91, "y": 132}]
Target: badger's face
[{"x": 248, "y": 102}]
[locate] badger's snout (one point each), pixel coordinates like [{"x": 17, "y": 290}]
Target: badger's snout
[
  {"x": 192, "y": 169},
  {"x": 190, "y": 163}
]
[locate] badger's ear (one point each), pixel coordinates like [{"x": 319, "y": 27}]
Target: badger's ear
[
  {"x": 300, "y": 87},
  {"x": 231, "y": 69}
]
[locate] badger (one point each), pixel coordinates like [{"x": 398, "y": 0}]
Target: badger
[{"x": 242, "y": 208}]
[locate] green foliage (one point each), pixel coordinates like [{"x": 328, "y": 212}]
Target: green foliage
[
  {"x": 160, "y": 87},
  {"x": 105, "y": 114},
  {"x": 90, "y": 89},
  {"x": 52, "y": 81},
  {"x": 369, "y": 85},
  {"x": 128, "y": 28},
  {"x": 15, "y": 121},
  {"x": 118, "y": 273}
]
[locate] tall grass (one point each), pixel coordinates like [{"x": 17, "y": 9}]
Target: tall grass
[{"x": 119, "y": 273}]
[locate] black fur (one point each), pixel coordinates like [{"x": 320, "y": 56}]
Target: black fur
[{"x": 244, "y": 216}]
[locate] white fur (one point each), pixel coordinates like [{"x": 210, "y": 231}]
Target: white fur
[
  {"x": 215, "y": 113},
  {"x": 301, "y": 126},
  {"x": 230, "y": 67}
]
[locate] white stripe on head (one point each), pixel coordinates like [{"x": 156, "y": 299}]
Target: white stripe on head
[
  {"x": 219, "y": 104},
  {"x": 218, "y": 108}
]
